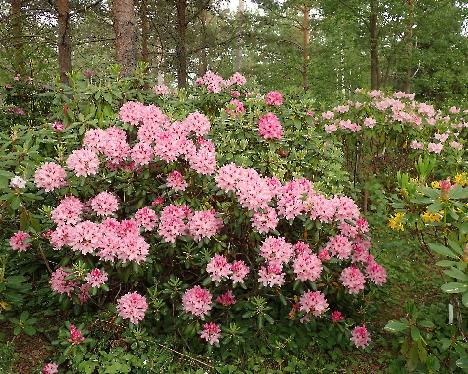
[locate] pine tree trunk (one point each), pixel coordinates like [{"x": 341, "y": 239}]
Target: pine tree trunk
[
  {"x": 64, "y": 40},
  {"x": 16, "y": 18},
  {"x": 144, "y": 30},
  {"x": 305, "y": 47},
  {"x": 375, "y": 80},
  {"x": 409, "y": 46},
  {"x": 123, "y": 14},
  {"x": 181, "y": 48},
  {"x": 240, "y": 12}
]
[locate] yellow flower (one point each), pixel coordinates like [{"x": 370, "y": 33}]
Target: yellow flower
[
  {"x": 428, "y": 217},
  {"x": 435, "y": 184},
  {"x": 396, "y": 222},
  {"x": 461, "y": 179}
]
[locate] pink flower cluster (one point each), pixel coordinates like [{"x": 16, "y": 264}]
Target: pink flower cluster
[
  {"x": 313, "y": 302},
  {"x": 211, "y": 333},
  {"x": 132, "y": 306},
  {"x": 269, "y": 127},
  {"x": 204, "y": 224},
  {"x": 176, "y": 181},
  {"x": 274, "y": 98},
  {"x": 360, "y": 337},
  {"x": 20, "y": 241},
  {"x": 226, "y": 299},
  {"x": 235, "y": 107},
  {"x": 198, "y": 301},
  {"x": 76, "y": 337},
  {"x": 50, "y": 176},
  {"x": 265, "y": 220},
  {"x": 50, "y": 368},
  {"x": 104, "y": 204},
  {"x": 96, "y": 277},
  {"x": 146, "y": 218},
  {"x": 215, "y": 83},
  {"x": 219, "y": 268},
  {"x": 83, "y": 162}
]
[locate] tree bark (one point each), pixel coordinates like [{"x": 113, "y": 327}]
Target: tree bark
[
  {"x": 409, "y": 46},
  {"x": 181, "y": 47},
  {"x": 123, "y": 14},
  {"x": 144, "y": 30},
  {"x": 64, "y": 40},
  {"x": 240, "y": 13},
  {"x": 16, "y": 18},
  {"x": 374, "y": 52},
  {"x": 305, "y": 46}
]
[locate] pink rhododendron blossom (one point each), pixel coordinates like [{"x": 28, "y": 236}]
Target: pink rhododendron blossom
[
  {"x": 441, "y": 137},
  {"x": 307, "y": 267},
  {"x": 59, "y": 284},
  {"x": 435, "y": 147},
  {"x": 50, "y": 368},
  {"x": 337, "y": 316},
  {"x": 204, "y": 224},
  {"x": 172, "y": 222},
  {"x": 61, "y": 236},
  {"x": 265, "y": 220},
  {"x": 376, "y": 273},
  {"x": 50, "y": 176},
  {"x": 84, "y": 237},
  {"x": 292, "y": 198},
  {"x": 142, "y": 153},
  {"x": 132, "y": 306},
  {"x": 330, "y": 128},
  {"x": 328, "y": 115},
  {"x": 226, "y": 299},
  {"x": 237, "y": 78},
  {"x": 68, "y": 211},
  {"x": 161, "y": 89},
  {"x": 96, "y": 277},
  {"x": 218, "y": 268},
  {"x": 235, "y": 107},
  {"x": 198, "y": 301},
  {"x": 104, "y": 203},
  {"x": 146, "y": 217},
  {"x": 211, "y": 333},
  {"x": 276, "y": 251},
  {"x": 340, "y": 247},
  {"x": 360, "y": 337},
  {"x": 370, "y": 122},
  {"x": 454, "y": 110},
  {"x": 416, "y": 145},
  {"x": 197, "y": 123},
  {"x": 313, "y": 302},
  {"x": 83, "y": 162},
  {"x": 239, "y": 271},
  {"x": 203, "y": 161},
  {"x": 17, "y": 182},
  {"x": 269, "y": 127},
  {"x": 76, "y": 337},
  {"x": 456, "y": 145},
  {"x": 274, "y": 98},
  {"x": 353, "y": 279},
  {"x": 346, "y": 209},
  {"x": 271, "y": 275},
  {"x": 131, "y": 112},
  {"x": 321, "y": 208},
  {"x": 20, "y": 241},
  {"x": 176, "y": 181}
]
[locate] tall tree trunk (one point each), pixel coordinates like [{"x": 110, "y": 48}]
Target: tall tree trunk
[
  {"x": 144, "y": 30},
  {"x": 64, "y": 40},
  {"x": 240, "y": 16},
  {"x": 305, "y": 46},
  {"x": 181, "y": 48},
  {"x": 203, "y": 66},
  {"x": 374, "y": 52},
  {"x": 16, "y": 18},
  {"x": 409, "y": 46},
  {"x": 123, "y": 14},
  {"x": 159, "y": 61}
]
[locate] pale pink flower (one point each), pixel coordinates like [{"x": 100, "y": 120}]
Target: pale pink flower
[
  {"x": 204, "y": 224},
  {"x": 226, "y": 299},
  {"x": 328, "y": 115},
  {"x": 307, "y": 267},
  {"x": 235, "y": 107},
  {"x": 456, "y": 145},
  {"x": 104, "y": 203},
  {"x": 265, "y": 220},
  {"x": 435, "y": 147},
  {"x": 276, "y": 251},
  {"x": 50, "y": 176},
  {"x": 353, "y": 279},
  {"x": 142, "y": 153},
  {"x": 172, "y": 222},
  {"x": 271, "y": 276},
  {"x": 146, "y": 217},
  {"x": 83, "y": 162},
  {"x": 239, "y": 271},
  {"x": 313, "y": 302},
  {"x": 59, "y": 284},
  {"x": 274, "y": 98},
  {"x": 218, "y": 268},
  {"x": 416, "y": 145},
  {"x": 68, "y": 211},
  {"x": 340, "y": 247},
  {"x": 198, "y": 301},
  {"x": 211, "y": 333},
  {"x": 369, "y": 122},
  {"x": 376, "y": 273},
  {"x": 132, "y": 306},
  {"x": 360, "y": 337},
  {"x": 96, "y": 277},
  {"x": 17, "y": 182},
  {"x": 269, "y": 127},
  {"x": 176, "y": 181},
  {"x": 197, "y": 123},
  {"x": 50, "y": 368}
]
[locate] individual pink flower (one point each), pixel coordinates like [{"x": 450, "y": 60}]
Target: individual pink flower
[
  {"x": 239, "y": 271},
  {"x": 313, "y": 302},
  {"x": 218, "y": 268},
  {"x": 337, "y": 316},
  {"x": 50, "y": 368},
  {"x": 76, "y": 337},
  {"x": 226, "y": 299},
  {"x": 369, "y": 122},
  {"x": 328, "y": 115},
  {"x": 353, "y": 279},
  {"x": 83, "y": 162},
  {"x": 307, "y": 267},
  {"x": 158, "y": 201},
  {"x": 274, "y": 98},
  {"x": 20, "y": 241},
  {"x": 265, "y": 220},
  {"x": 276, "y": 251},
  {"x": 132, "y": 306},
  {"x": 435, "y": 147},
  {"x": 269, "y": 127},
  {"x": 204, "y": 224},
  {"x": 211, "y": 333},
  {"x": 198, "y": 301},
  {"x": 131, "y": 112},
  {"x": 58, "y": 126},
  {"x": 271, "y": 275},
  {"x": 176, "y": 181},
  {"x": 104, "y": 203},
  {"x": 17, "y": 182},
  {"x": 454, "y": 110},
  {"x": 360, "y": 337},
  {"x": 50, "y": 176},
  {"x": 416, "y": 145},
  {"x": 197, "y": 123},
  {"x": 441, "y": 137},
  {"x": 146, "y": 217},
  {"x": 161, "y": 89},
  {"x": 237, "y": 78},
  {"x": 330, "y": 128},
  {"x": 340, "y": 247},
  {"x": 172, "y": 222},
  {"x": 142, "y": 153},
  {"x": 68, "y": 211},
  {"x": 96, "y": 277},
  {"x": 59, "y": 283}
]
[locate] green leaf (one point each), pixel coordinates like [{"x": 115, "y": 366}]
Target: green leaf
[
  {"x": 462, "y": 363},
  {"x": 458, "y": 193},
  {"x": 442, "y": 250},
  {"x": 415, "y": 334},
  {"x": 30, "y": 330},
  {"x": 395, "y": 326},
  {"x": 427, "y": 324},
  {"x": 465, "y": 299},
  {"x": 457, "y": 274},
  {"x": 454, "y": 287}
]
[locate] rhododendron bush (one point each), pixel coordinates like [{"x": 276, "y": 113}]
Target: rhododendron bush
[{"x": 145, "y": 219}]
